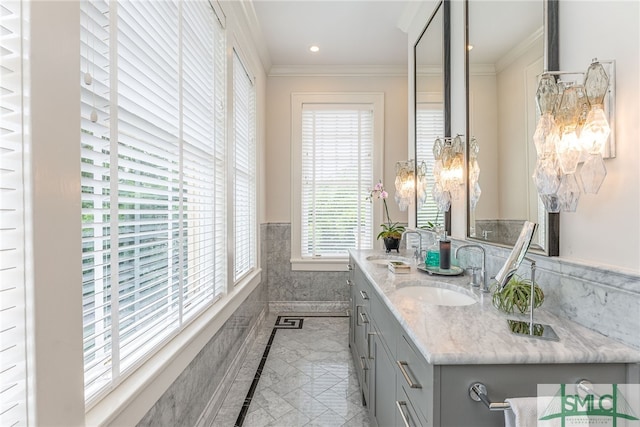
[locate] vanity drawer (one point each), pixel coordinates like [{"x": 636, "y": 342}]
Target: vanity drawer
[
  {"x": 416, "y": 377},
  {"x": 407, "y": 415},
  {"x": 386, "y": 325}
]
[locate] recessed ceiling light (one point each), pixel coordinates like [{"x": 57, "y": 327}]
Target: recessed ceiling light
[{"x": 314, "y": 48}]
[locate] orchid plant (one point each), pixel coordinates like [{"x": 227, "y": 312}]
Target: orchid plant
[{"x": 389, "y": 230}]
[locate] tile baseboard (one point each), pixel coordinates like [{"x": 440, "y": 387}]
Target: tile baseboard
[
  {"x": 214, "y": 404},
  {"x": 308, "y": 307}
]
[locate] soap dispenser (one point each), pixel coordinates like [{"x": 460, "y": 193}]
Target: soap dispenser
[
  {"x": 445, "y": 252},
  {"x": 433, "y": 253}
]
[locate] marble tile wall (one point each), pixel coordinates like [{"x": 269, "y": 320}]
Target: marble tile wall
[
  {"x": 302, "y": 291},
  {"x": 600, "y": 298},
  {"x": 189, "y": 395},
  {"x": 499, "y": 230}
]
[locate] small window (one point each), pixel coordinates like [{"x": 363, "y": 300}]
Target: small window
[
  {"x": 337, "y": 139},
  {"x": 429, "y": 126}
]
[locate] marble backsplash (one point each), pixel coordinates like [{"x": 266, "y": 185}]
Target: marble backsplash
[
  {"x": 601, "y": 298},
  {"x": 301, "y": 291}
]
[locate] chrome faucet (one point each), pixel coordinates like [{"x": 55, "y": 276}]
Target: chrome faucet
[
  {"x": 483, "y": 272},
  {"x": 417, "y": 254}
]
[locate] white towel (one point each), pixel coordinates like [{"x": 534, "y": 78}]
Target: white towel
[{"x": 523, "y": 412}]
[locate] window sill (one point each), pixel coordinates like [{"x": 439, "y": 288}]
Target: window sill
[
  {"x": 129, "y": 401},
  {"x": 320, "y": 264}
]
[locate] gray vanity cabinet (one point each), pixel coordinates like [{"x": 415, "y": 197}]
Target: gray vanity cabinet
[
  {"x": 401, "y": 389},
  {"x": 359, "y": 332}
]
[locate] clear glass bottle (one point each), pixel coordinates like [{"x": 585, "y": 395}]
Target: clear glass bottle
[{"x": 432, "y": 259}]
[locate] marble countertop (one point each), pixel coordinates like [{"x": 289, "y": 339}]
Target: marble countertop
[{"x": 479, "y": 333}]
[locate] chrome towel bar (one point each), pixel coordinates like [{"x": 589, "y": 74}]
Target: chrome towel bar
[{"x": 478, "y": 392}]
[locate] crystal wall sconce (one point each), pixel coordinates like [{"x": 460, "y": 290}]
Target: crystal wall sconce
[
  {"x": 448, "y": 170},
  {"x": 474, "y": 174},
  {"x": 407, "y": 180},
  {"x": 574, "y": 134}
]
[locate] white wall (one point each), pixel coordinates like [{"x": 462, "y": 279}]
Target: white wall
[
  {"x": 278, "y": 146},
  {"x": 606, "y": 227}
]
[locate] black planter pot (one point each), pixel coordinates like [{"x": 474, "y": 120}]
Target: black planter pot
[{"x": 391, "y": 243}]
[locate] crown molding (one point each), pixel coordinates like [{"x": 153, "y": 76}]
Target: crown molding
[
  {"x": 519, "y": 49},
  {"x": 338, "y": 71}
]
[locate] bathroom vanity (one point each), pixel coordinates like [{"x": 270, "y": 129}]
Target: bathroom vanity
[{"x": 419, "y": 342}]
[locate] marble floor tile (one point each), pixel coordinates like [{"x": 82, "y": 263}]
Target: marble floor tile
[{"x": 307, "y": 378}]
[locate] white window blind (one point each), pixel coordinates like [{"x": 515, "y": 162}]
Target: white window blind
[
  {"x": 13, "y": 366},
  {"x": 151, "y": 174},
  {"x": 429, "y": 126},
  {"x": 337, "y": 174},
  {"x": 244, "y": 142}
]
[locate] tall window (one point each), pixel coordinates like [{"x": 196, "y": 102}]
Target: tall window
[
  {"x": 244, "y": 169},
  {"x": 337, "y": 162},
  {"x": 13, "y": 369},
  {"x": 429, "y": 126},
  {"x": 153, "y": 177}
]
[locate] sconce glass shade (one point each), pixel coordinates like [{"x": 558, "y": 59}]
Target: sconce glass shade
[
  {"x": 595, "y": 131},
  {"x": 572, "y": 129},
  {"x": 573, "y": 106},
  {"x": 569, "y": 193},
  {"x": 474, "y": 174},
  {"x": 596, "y": 83},
  {"x": 547, "y": 175},
  {"x": 405, "y": 183},
  {"x": 547, "y": 94},
  {"x": 421, "y": 181},
  {"x": 569, "y": 150},
  {"x": 593, "y": 173},
  {"x": 545, "y": 135},
  {"x": 448, "y": 170}
]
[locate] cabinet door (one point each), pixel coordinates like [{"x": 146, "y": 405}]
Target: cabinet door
[{"x": 383, "y": 390}]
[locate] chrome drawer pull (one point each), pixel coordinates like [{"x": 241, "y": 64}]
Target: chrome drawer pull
[
  {"x": 364, "y": 295},
  {"x": 369, "y": 343},
  {"x": 349, "y": 267},
  {"x": 348, "y": 282},
  {"x": 363, "y": 317},
  {"x": 405, "y": 374},
  {"x": 400, "y": 404},
  {"x": 362, "y": 364},
  {"x": 358, "y": 314}
]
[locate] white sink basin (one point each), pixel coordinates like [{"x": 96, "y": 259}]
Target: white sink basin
[
  {"x": 384, "y": 259},
  {"x": 435, "y": 296}
]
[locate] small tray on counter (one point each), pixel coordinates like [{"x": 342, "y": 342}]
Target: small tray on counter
[{"x": 453, "y": 271}]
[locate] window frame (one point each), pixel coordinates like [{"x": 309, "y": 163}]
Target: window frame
[
  {"x": 298, "y": 99},
  {"x": 185, "y": 319},
  {"x": 428, "y": 101}
]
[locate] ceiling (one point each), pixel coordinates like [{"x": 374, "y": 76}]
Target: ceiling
[{"x": 348, "y": 32}]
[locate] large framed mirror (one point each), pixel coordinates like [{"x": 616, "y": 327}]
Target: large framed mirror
[
  {"x": 508, "y": 45},
  {"x": 432, "y": 104}
]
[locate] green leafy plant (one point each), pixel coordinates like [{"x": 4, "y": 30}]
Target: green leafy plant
[
  {"x": 515, "y": 296},
  {"x": 391, "y": 231}
]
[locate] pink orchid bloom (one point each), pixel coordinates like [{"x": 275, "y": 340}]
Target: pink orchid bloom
[
  {"x": 378, "y": 187},
  {"x": 383, "y": 194}
]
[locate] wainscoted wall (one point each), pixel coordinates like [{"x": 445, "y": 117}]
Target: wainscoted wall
[
  {"x": 600, "y": 298},
  {"x": 302, "y": 291},
  {"x": 200, "y": 389}
]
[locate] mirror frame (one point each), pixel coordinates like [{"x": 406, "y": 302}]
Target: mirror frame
[
  {"x": 551, "y": 61},
  {"x": 446, "y": 70}
]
